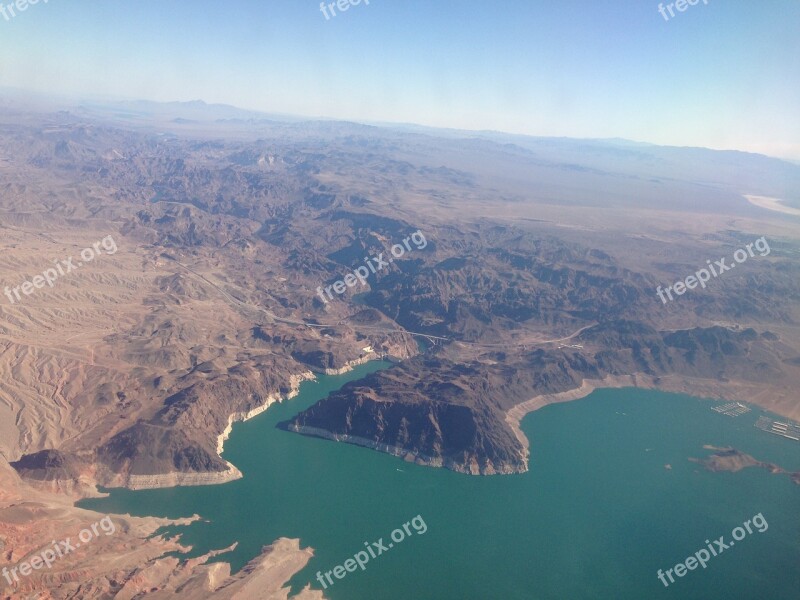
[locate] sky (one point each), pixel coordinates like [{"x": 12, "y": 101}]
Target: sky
[{"x": 720, "y": 74}]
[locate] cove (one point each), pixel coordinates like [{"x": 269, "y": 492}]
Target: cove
[{"x": 595, "y": 517}]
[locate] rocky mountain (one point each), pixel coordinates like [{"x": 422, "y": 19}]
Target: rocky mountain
[
  {"x": 511, "y": 282},
  {"x": 437, "y": 412}
]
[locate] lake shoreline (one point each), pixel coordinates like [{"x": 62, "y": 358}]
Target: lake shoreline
[
  {"x": 698, "y": 388},
  {"x": 231, "y": 473}
]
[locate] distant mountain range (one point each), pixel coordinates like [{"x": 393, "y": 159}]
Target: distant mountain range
[{"x": 538, "y": 279}]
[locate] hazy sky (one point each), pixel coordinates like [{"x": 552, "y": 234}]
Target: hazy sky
[{"x": 725, "y": 74}]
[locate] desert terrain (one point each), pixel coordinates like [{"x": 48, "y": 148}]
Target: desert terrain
[{"x": 200, "y": 306}]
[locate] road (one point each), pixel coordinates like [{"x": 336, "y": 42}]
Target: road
[{"x": 274, "y": 318}]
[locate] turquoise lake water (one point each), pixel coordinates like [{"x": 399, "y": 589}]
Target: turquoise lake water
[{"x": 595, "y": 517}]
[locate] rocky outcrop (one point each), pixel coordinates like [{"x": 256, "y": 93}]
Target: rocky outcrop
[
  {"x": 409, "y": 455},
  {"x": 159, "y": 453},
  {"x": 733, "y": 460},
  {"x": 440, "y": 413}
]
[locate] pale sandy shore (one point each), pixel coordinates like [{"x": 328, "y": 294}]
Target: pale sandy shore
[{"x": 772, "y": 204}]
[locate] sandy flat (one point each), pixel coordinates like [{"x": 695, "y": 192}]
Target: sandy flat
[{"x": 772, "y": 204}]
